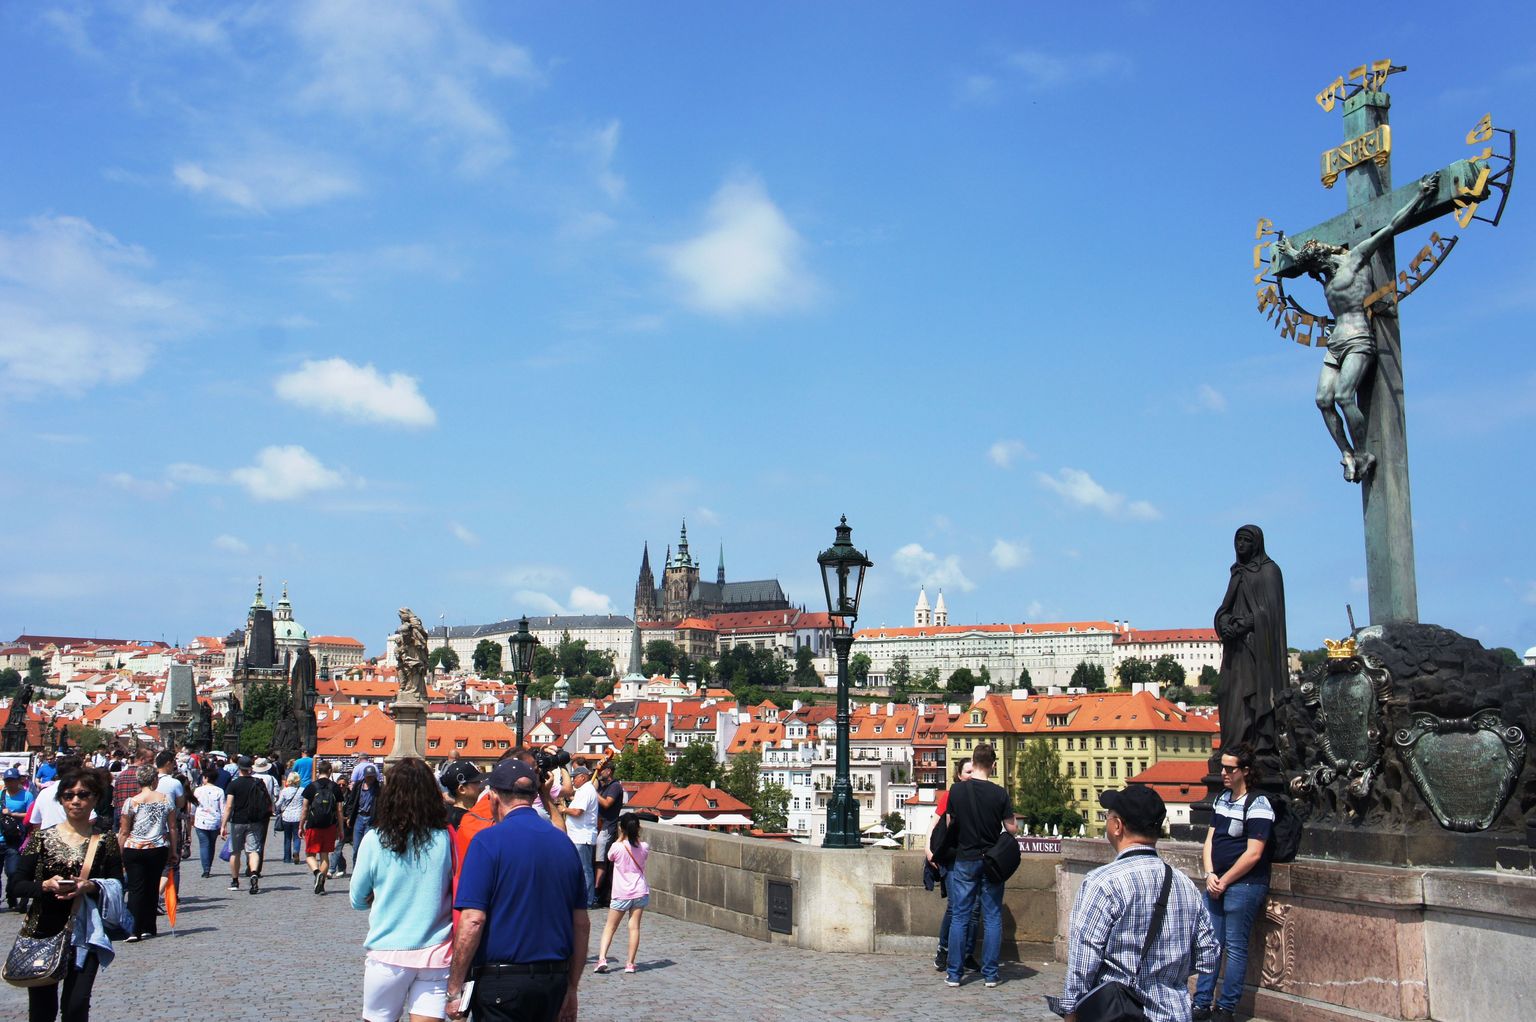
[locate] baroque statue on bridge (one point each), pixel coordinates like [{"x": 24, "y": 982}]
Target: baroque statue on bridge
[{"x": 411, "y": 658}]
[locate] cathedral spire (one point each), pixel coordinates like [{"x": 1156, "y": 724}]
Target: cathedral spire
[
  {"x": 720, "y": 571},
  {"x": 682, "y": 547},
  {"x": 645, "y": 561},
  {"x": 258, "y": 603}
]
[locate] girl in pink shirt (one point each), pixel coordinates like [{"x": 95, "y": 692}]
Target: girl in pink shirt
[{"x": 630, "y": 891}]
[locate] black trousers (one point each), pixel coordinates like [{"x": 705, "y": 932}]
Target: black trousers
[
  {"x": 43, "y": 1002},
  {"x": 142, "y": 868},
  {"x": 505, "y": 998}
]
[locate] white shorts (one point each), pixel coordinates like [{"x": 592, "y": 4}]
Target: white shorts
[{"x": 389, "y": 990}]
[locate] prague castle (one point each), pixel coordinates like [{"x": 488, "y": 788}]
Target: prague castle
[{"x": 683, "y": 595}]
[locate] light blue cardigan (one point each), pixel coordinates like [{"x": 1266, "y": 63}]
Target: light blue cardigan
[{"x": 412, "y": 895}]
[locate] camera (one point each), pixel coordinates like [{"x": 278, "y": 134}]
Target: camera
[{"x": 546, "y": 761}]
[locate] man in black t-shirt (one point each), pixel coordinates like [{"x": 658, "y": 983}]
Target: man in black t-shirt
[
  {"x": 610, "y": 801},
  {"x": 247, "y": 808},
  {"x": 978, "y": 811}
]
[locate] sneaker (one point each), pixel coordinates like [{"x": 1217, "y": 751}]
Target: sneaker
[
  {"x": 1223, "y": 1015},
  {"x": 206, "y": 875},
  {"x": 234, "y": 883},
  {"x": 340, "y": 872},
  {"x": 601, "y": 966},
  {"x": 1201, "y": 1012},
  {"x": 991, "y": 983},
  {"x": 133, "y": 939},
  {"x": 630, "y": 968},
  {"x": 951, "y": 982},
  {"x": 255, "y": 882},
  {"x": 941, "y": 959}
]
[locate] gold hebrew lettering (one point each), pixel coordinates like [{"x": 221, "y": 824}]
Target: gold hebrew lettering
[
  {"x": 1359, "y": 73},
  {"x": 1379, "y": 71},
  {"x": 1389, "y": 288},
  {"x": 1464, "y": 212},
  {"x": 1266, "y": 226},
  {"x": 1483, "y": 132},
  {"x": 1258, "y": 254},
  {"x": 1477, "y": 188},
  {"x": 1328, "y": 96}
]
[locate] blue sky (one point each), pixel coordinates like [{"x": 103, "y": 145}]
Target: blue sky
[{"x": 454, "y": 305}]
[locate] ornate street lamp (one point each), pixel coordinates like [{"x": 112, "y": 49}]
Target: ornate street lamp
[
  {"x": 842, "y": 578},
  {"x": 521, "y": 645}
]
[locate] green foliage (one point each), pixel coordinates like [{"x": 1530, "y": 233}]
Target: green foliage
[
  {"x": 928, "y": 681},
  {"x": 1167, "y": 671},
  {"x": 589, "y": 687},
  {"x": 1133, "y": 671},
  {"x": 88, "y": 738},
  {"x": 805, "y": 674},
  {"x": 984, "y": 676},
  {"x": 256, "y": 737},
  {"x": 1042, "y": 796},
  {"x": 1179, "y": 694},
  {"x": 37, "y": 671},
  {"x": 1210, "y": 677},
  {"x": 696, "y": 765},
  {"x": 1088, "y": 676},
  {"x": 893, "y": 822},
  {"x": 545, "y": 663},
  {"x": 646, "y": 761},
  {"x": 1508, "y": 656},
  {"x": 265, "y": 701},
  {"x": 741, "y": 778},
  {"x": 770, "y": 813},
  {"x": 10, "y": 680},
  {"x": 749, "y": 665},
  {"x": 1311, "y": 658},
  {"x": 858, "y": 668},
  {"x": 542, "y": 687},
  {"x": 571, "y": 654},
  {"x": 443, "y": 656},
  {"x": 599, "y": 663},
  {"x": 661, "y": 656},
  {"x": 961, "y": 683},
  {"x": 900, "y": 672},
  {"x": 487, "y": 659},
  {"x": 1023, "y": 680}
]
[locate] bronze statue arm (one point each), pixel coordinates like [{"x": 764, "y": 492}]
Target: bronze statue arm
[{"x": 1429, "y": 184}]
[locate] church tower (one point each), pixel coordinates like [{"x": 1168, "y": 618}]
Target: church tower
[
  {"x": 720, "y": 571},
  {"x": 682, "y": 574},
  {"x": 922, "y": 617},
  {"x": 940, "y": 612},
  {"x": 645, "y": 590}
]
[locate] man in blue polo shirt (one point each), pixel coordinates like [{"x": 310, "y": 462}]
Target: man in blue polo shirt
[{"x": 523, "y": 912}]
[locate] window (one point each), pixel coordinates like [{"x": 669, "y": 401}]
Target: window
[
  {"x": 1098, "y": 769},
  {"x": 712, "y": 803},
  {"x": 1111, "y": 742},
  {"x": 1143, "y": 765},
  {"x": 378, "y": 743},
  {"x": 1071, "y": 769},
  {"x": 1143, "y": 744},
  {"x": 1082, "y": 768},
  {"x": 1162, "y": 742},
  {"x": 1112, "y": 765},
  {"x": 1082, "y": 794},
  {"x": 1098, "y": 741}
]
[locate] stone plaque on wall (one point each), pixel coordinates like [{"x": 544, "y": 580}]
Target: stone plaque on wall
[{"x": 781, "y": 906}]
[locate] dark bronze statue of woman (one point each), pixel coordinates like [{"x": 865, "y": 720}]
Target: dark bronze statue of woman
[{"x": 1254, "y": 660}]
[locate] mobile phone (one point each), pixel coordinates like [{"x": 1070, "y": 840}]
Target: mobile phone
[{"x": 67, "y": 886}]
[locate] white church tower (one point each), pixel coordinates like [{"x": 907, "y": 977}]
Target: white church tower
[
  {"x": 922, "y": 617},
  {"x": 940, "y": 612}
]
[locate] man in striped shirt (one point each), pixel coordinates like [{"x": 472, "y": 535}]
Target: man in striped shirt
[{"x": 1114, "y": 913}]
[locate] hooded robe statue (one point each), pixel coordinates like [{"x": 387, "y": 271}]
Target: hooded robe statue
[{"x": 1255, "y": 665}]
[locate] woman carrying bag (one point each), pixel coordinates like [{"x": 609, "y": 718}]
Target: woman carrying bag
[{"x": 63, "y": 866}]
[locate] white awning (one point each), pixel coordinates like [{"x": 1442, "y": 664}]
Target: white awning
[{"x": 695, "y": 820}]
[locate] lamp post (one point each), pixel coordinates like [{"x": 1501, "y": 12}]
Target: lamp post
[
  {"x": 842, "y": 578},
  {"x": 521, "y": 645}
]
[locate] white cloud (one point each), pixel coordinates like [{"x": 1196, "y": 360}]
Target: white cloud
[
  {"x": 164, "y": 20},
  {"x": 286, "y": 473},
  {"x": 604, "y": 144},
  {"x": 230, "y": 544},
  {"x": 1209, "y": 399},
  {"x": 361, "y": 393},
  {"x": 976, "y": 88},
  {"x": 747, "y": 258},
  {"x": 421, "y": 67},
  {"x": 77, "y": 308},
  {"x": 1008, "y": 555},
  {"x": 1005, "y": 452},
  {"x": 1079, "y": 488},
  {"x": 539, "y": 603},
  {"x": 1530, "y": 593},
  {"x": 1043, "y": 71},
  {"x": 264, "y": 181},
  {"x": 922, "y": 567},
  {"x": 140, "y": 487},
  {"x": 463, "y": 535},
  {"x": 193, "y": 475},
  {"x": 706, "y": 516},
  {"x": 533, "y": 576},
  {"x": 342, "y": 274},
  {"x": 586, "y": 601}
]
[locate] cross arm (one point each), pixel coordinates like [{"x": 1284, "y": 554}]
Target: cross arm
[{"x": 1356, "y": 225}]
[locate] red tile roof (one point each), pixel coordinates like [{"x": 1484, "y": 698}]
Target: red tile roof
[
  {"x": 1142, "y": 635},
  {"x": 1096, "y": 711}
]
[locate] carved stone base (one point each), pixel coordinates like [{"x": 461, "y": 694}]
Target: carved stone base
[{"x": 410, "y": 732}]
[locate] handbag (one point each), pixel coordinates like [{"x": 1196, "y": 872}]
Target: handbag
[
  {"x": 1114, "y": 1001},
  {"x": 1001, "y": 861},
  {"x": 44, "y": 961}
]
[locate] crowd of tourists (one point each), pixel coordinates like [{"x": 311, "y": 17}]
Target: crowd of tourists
[{"x": 478, "y": 885}]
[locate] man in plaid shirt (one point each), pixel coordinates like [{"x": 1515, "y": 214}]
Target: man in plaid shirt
[
  {"x": 125, "y": 784},
  {"x": 1114, "y": 913}
]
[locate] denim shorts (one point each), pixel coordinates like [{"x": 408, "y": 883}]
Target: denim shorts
[{"x": 625, "y": 904}]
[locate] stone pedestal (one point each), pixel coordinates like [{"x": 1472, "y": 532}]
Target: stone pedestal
[
  {"x": 410, "y": 732},
  {"x": 1342, "y": 941}
]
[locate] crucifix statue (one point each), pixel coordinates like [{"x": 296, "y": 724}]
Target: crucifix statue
[{"x": 1360, "y": 390}]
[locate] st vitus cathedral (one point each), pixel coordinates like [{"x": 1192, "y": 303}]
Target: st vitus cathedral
[{"x": 682, "y": 595}]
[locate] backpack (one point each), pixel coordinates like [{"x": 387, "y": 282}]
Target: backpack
[
  {"x": 1285, "y": 836},
  {"x": 322, "y": 806},
  {"x": 262, "y": 802}
]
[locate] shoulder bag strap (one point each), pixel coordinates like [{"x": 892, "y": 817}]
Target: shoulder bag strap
[
  {"x": 85, "y": 874},
  {"x": 1158, "y": 914}
]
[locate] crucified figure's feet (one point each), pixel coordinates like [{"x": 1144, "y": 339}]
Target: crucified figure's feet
[
  {"x": 1364, "y": 462},
  {"x": 1348, "y": 461}
]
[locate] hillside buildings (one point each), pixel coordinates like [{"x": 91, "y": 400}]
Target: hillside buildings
[{"x": 682, "y": 594}]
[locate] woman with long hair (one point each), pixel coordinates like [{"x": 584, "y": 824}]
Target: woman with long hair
[
  {"x": 150, "y": 841},
  {"x": 402, "y": 874},
  {"x": 288, "y": 808},
  {"x": 631, "y": 893},
  {"x": 50, "y": 875}
]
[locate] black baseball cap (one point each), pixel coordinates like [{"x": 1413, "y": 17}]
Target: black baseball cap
[
  {"x": 459, "y": 774},
  {"x": 510, "y": 774},
  {"x": 1139, "y": 806}
]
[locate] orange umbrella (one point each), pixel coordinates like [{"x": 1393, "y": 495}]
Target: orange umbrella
[{"x": 170, "y": 902}]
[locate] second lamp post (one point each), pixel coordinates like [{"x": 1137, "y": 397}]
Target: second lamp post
[
  {"x": 842, "y": 578},
  {"x": 522, "y": 644}
]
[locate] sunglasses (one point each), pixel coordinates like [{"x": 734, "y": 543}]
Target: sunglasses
[
  {"x": 1231, "y": 769},
  {"x": 76, "y": 796}
]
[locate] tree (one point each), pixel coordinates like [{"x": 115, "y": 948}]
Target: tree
[
  {"x": 1133, "y": 671},
  {"x": 544, "y": 662},
  {"x": 1311, "y": 658},
  {"x": 805, "y": 674},
  {"x": 1508, "y": 656},
  {"x": 265, "y": 701},
  {"x": 748, "y": 665},
  {"x": 893, "y": 822},
  {"x": 858, "y": 668},
  {"x": 487, "y": 659},
  {"x": 1088, "y": 676},
  {"x": 37, "y": 671},
  {"x": 443, "y": 656},
  {"x": 660, "y": 657},
  {"x": 256, "y": 737},
  {"x": 742, "y": 778},
  {"x": 1179, "y": 694},
  {"x": 1042, "y": 796},
  {"x": 88, "y": 738},
  {"x": 10, "y": 680},
  {"x": 961, "y": 683},
  {"x": 696, "y": 765},
  {"x": 644, "y": 761},
  {"x": 571, "y": 655},
  {"x": 771, "y": 812},
  {"x": 900, "y": 672},
  {"x": 1023, "y": 680},
  {"x": 1210, "y": 677},
  {"x": 599, "y": 663},
  {"x": 1167, "y": 671},
  {"x": 928, "y": 681},
  {"x": 984, "y": 676}
]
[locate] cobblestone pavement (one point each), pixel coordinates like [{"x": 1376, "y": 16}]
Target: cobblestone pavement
[{"x": 287, "y": 954}]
